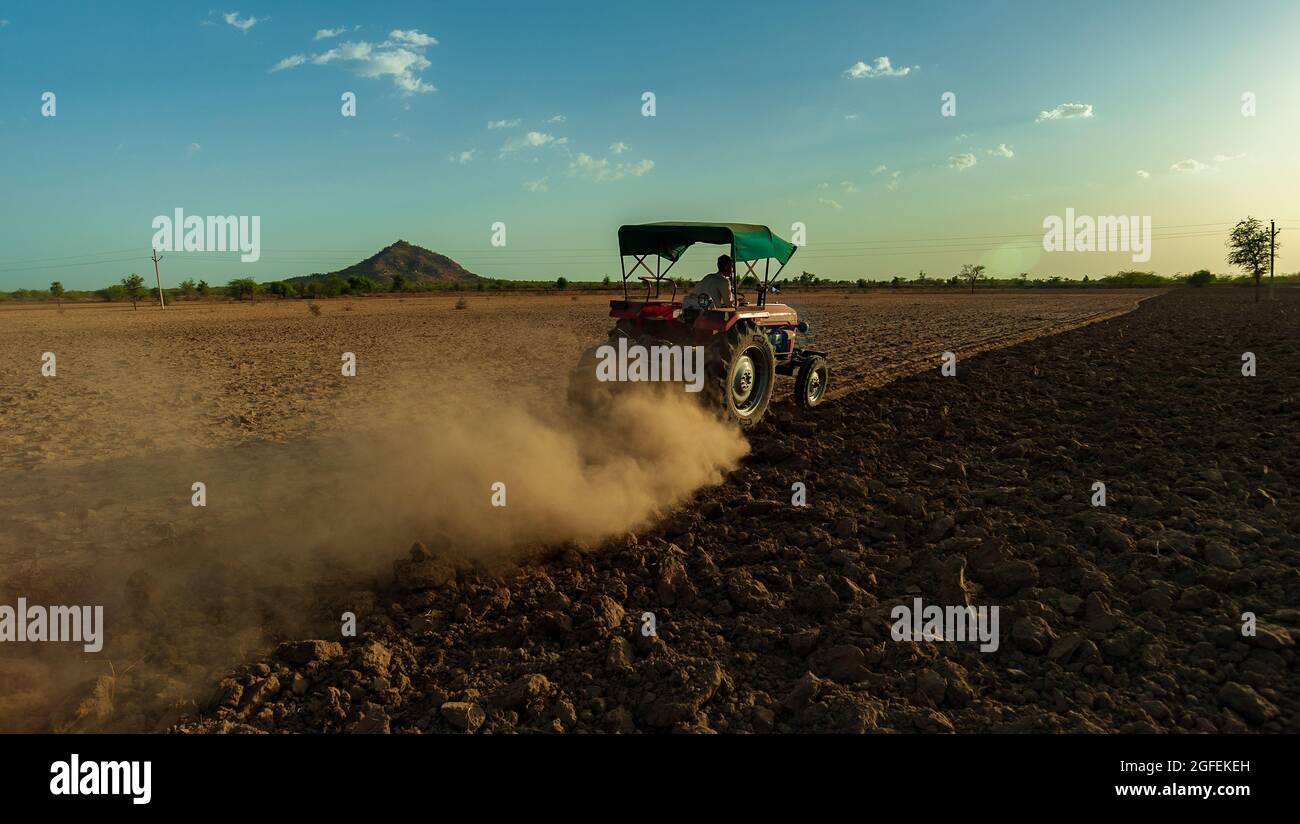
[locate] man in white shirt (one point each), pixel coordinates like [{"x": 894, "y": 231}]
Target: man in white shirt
[{"x": 717, "y": 286}]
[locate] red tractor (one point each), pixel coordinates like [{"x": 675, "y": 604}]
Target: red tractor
[{"x": 746, "y": 343}]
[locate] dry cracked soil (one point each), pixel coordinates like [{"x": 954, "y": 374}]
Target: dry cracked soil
[{"x": 969, "y": 490}]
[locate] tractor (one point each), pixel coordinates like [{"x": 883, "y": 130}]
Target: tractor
[{"x": 746, "y": 344}]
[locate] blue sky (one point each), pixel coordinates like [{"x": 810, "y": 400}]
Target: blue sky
[{"x": 761, "y": 116}]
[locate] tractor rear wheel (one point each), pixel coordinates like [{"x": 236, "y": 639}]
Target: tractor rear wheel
[{"x": 740, "y": 371}]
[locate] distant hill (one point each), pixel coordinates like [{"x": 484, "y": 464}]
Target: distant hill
[{"x": 415, "y": 263}]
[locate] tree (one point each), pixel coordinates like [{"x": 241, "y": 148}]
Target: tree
[
  {"x": 561, "y": 282},
  {"x": 56, "y": 292},
  {"x": 241, "y": 288},
  {"x": 280, "y": 288},
  {"x": 1200, "y": 278},
  {"x": 398, "y": 284},
  {"x": 972, "y": 274},
  {"x": 202, "y": 288},
  {"x": 862, "y": 283},
  {"x": 605, "y": 280},
  {"x": 187, "y": 287},
  {"x": 134, "y": 286},
  {"x": 807, "y": 279},
  {"x": 1248, "y": 248},
  {"x": 361, "y": 285}
]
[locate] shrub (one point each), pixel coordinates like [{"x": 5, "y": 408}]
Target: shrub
[{"x": 241, "y": 288}]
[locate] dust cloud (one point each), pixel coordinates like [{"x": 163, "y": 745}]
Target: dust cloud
[{"x": 294, "y": 532}]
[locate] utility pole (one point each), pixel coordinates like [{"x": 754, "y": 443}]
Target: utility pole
[
  {"x": 162, "y": 304},
  {"x": 1272, "y": 236}
]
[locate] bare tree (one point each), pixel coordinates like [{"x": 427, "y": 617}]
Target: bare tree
[
  {"x": 1249, "y": 248},
  {"x": 972, "y": 274}
]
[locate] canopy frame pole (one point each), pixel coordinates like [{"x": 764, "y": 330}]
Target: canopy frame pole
[
  {"x": 640, "y": 263},
  {"x": 749, "y": 270},
  {"x": 622, "y": 266},
  {"x": 734, "y": 293},
  {"x": 777, "y": 276}
]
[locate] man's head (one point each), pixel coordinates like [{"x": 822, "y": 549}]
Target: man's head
[{"x": 725, "y": 266}]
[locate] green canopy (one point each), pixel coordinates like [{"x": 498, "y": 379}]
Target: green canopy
[{"x": 670, "y": 240}]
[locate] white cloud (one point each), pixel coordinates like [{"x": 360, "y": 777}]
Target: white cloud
[
  {"x": 324, "y": 34},
  {"x": 1188, "y": 166},
  {"x": 412, "y": 38},
  {"x": 232, "y": 17},
  {"x": 602, "y": 171},
  {"x": 1222, "y": 158},
  {"x": 1066, "y": 111},
  {"x": 559, "y": 118},
  {"x": 538, "y": 185},
  {"x": 826, "y": 201},
  {"x": 400, "y": 59},
  {"x": 461, "y": 157},
  {"x": 1142, "y": 173},
  {"x": 289, "y": 62},
  {"x": 882, "y": 68},
  {"x": 503, "y": 124},
  {"x": 961, "y": 162},
  {"x": 193, "y": 148},
  {"x": 892, "y": 185},
  {"x": 852, "y": 116},
  {"x": 3, "y": 23},
  {"x": 398, "y": 63},
  {"x": 1003, "y": 150},
  {"x": 532, "y": 140},
  {"x": 848, "y": 187},
  {"x": 618, "y": 148},
  {"x": 881, "y": 169}
]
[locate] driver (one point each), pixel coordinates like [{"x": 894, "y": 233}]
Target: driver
[{"x": 717, "y": 286}]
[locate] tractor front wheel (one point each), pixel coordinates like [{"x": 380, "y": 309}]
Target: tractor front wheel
[{"x": 811, "y": 382}]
